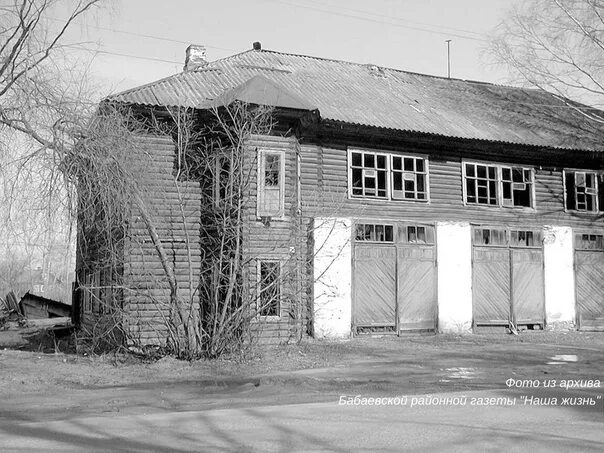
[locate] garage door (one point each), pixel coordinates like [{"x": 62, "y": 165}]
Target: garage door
[
  {"x": 394, "y": 277},
  {"x": 589, "y": 278},
  {"x": 417, "y": 303},
  {"x": 507, "y": 277}
]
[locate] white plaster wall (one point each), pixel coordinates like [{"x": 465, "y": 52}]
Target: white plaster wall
[
  {"x": 454, "y": 255},
  {"x": 333, "y": 277},
  {"x": 559, "y": 276}
]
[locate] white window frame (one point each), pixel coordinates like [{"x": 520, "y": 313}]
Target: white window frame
[
  {"x": 499, "y": 185},
  {"x": 259, "y": 262},
  {"x": 597, "y": 188},
  {"x": 260, "y": 211},
  {"x": 389, "y": 176}
]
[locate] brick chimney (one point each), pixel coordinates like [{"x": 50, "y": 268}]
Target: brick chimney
[{"x": 195, "y": 58}]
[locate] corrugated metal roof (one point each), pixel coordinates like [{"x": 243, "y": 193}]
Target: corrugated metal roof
[{"x": 387, "y": 98}]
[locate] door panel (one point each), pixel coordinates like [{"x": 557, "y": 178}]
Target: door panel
[
  {"x": 528, "y": 304},
  {"x": 491, "y": 285},
  {"x": 417, "y": 288},
  {"x": 590, "y": 288},
  {"x": 374, "y": 285}
]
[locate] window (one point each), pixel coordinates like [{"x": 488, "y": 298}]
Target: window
[
  {"x": 526, "y": 238},
  {"x": 420, "y": 235},
  {"x": 490, "y": 236},
  {"x": 269, "y": 288},
  {"x": 495, "y": 185},
  {"x": 271, "y": 183},
  {"x": 582, "y": 191},
  {"x": 408, "y": 178},
  {"x": 387, "y": 176},
  {"x": 516, "y": 185},
  {"x": 369, "y": 174},
  {"x": 589, "y": 241},
  {"x": 373, "y": 232}
]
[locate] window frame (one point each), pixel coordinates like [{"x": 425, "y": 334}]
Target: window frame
[
  {"x": 364, "y": 224},
  {"x": 499, "y": 185},
  {"x": 389, "y": 185},
  {"x": 597, "y": 175},
  {"x": 259, "y": 263},
  {"x": 261, "y": 183}
]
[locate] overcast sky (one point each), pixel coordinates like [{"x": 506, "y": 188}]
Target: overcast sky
[{"x": 140, "y": 41}]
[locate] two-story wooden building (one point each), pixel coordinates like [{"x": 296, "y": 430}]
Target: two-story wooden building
[{"x": 415, "y": 202}]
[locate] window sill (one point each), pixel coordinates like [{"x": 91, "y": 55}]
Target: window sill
[
  {"x": 387, "y": 200},
  {"x": 496, "y": 206}
]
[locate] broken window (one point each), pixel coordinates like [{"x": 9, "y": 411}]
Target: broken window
[
  {"x": 582, "y": 190},
  {"x": 374, "y": 232},
  {"x": 271, "y": 183},
  {"x": 369, "y": 174},
  {"x": 409, "y": 178},
  {"x": 388, "y": 176},
  {"x": 516, "y": 186},
  {"x": 481, "y": 184},
  {"x": 269, "y": 289},
  {"x": 484, "y": 184}
]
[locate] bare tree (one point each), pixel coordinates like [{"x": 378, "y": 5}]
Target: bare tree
[
  {"x": 558, "y": 46},
  {"x": 42, "y": 114}
]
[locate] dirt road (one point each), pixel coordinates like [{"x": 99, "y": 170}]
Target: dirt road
[{"x": 457, "y": 393}]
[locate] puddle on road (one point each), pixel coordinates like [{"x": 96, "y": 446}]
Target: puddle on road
[
  {"x": 562, "y": 359},
  {"x": 459, "y": 373}
]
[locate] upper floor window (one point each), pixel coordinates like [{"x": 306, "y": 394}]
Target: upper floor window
[
  {"x": 409, "y": 178},
  {"x": 498, "y": 185},
  {"x": 369, "y": 174},
  {"x": 271, "y": 183},
  {"x": 582, "y": 189},
  {"x": 387, "y": 176}
]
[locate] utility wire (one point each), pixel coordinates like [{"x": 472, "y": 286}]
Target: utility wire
[
  {"x": 368, "y": 19},
  {"x": 107, "y": 52},
  {"x": 399, "y": 19},
  {"x": 131, "y": 33}
]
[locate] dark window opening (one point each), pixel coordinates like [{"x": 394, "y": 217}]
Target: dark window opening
[
  {"x": 272, "y": 168},
  {"x": 269, "y": 290}
]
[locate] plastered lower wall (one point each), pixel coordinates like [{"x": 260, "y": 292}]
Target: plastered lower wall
[
  {"x": 454, "y": 254},
  {"x": 333, "y": 278},
  {"x": 558, "y": 256}
]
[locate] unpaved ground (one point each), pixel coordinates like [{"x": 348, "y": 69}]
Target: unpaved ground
[
  {"x": 24, "y": 372},
  {"x": 288, "y": 398}
]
